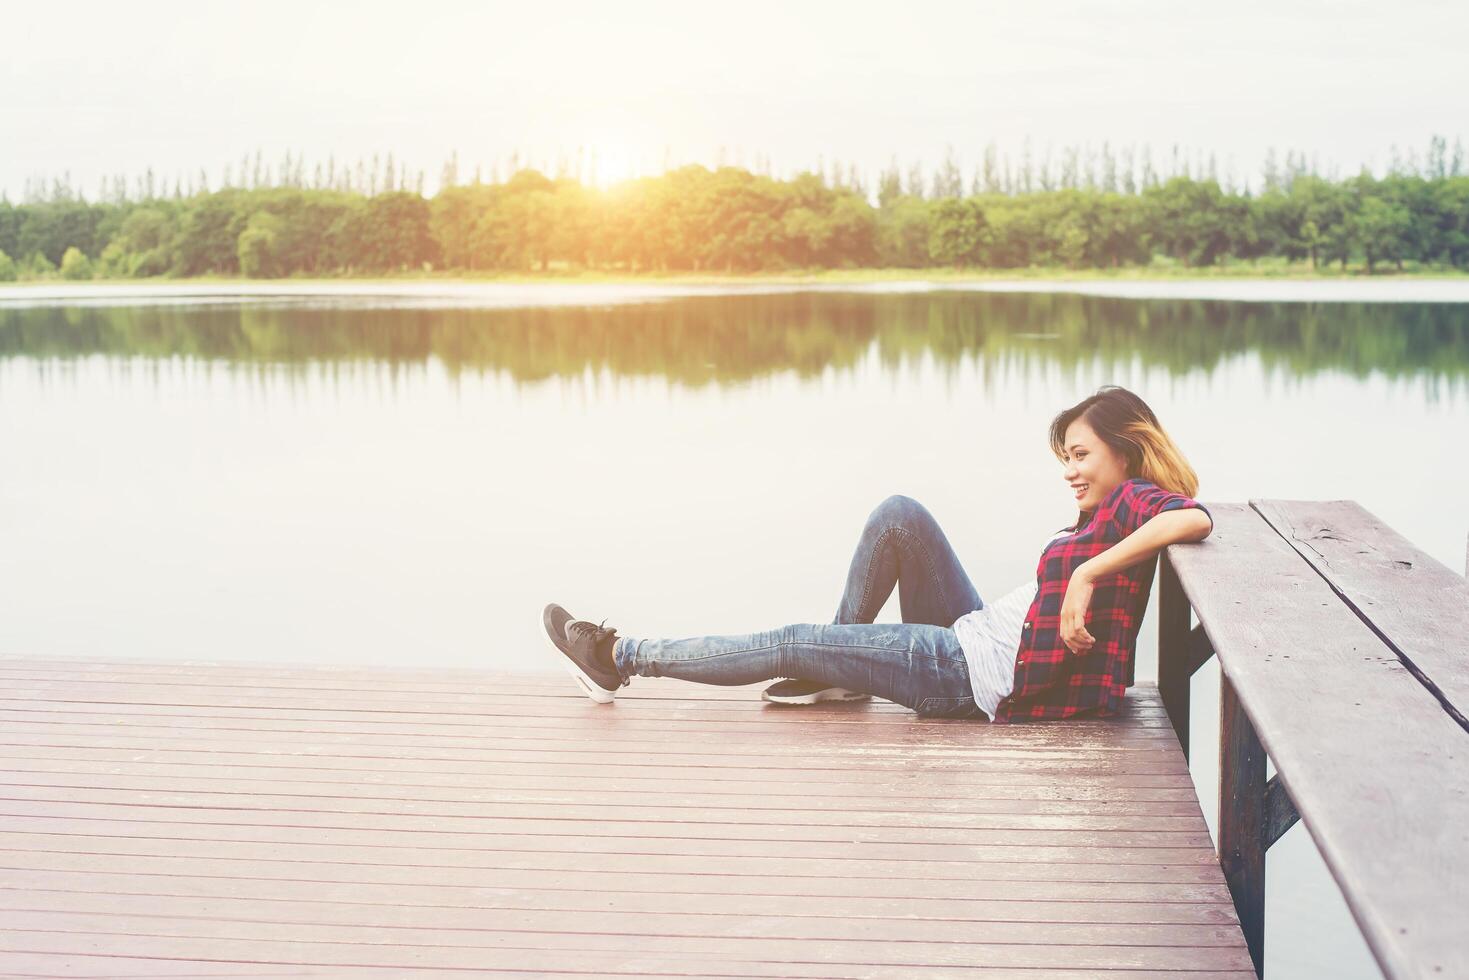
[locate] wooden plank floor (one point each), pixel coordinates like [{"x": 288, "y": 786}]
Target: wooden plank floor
[{"x": 232, "y": 820}]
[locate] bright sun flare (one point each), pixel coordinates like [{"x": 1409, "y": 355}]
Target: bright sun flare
[{"x": 611, "y": 163}]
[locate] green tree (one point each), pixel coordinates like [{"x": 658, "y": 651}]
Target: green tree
[
  {"x": 209, "y": 235},
  {"x": 75, "y": 265},
  {"x": 141, "y": 246},
  {"x": 1382, "y": 230},
  {"x": 516, "y": 232},
  {"x": 806, "y": 236},
  {"x": 1118, "y": 232},
  {"x": 256, "y": 248},
  {"x": 452, "y": 216},
  {"x": 889, "y": 186},
  {"x": 8, "y": 271},
  {"x": 572, "y": 221},
  {"x": 1451, "y": 205},
  {"x": 956, "y": 232},
  {"x": 853, "y": 231},
  {"x": 902, "y": 234},
  {"x": 50, "y": 227},
  {"x": 391, "y": 232},
  {"x": 11, "y": 218},
  {"x": 37, "y": 266},
  {"x": 1193, "y": 220}
]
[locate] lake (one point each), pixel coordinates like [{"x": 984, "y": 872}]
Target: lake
[{"x": 409, "y": 477}]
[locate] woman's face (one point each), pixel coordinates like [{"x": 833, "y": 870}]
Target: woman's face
[{"x": 1092, "y": 469}]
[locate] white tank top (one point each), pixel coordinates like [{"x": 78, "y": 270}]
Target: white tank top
[{"x": 990, "y": 637}]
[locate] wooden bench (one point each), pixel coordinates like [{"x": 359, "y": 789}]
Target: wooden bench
[{"x": 1344, "y": 656}]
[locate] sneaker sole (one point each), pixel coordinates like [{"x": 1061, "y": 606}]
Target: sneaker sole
[
  {"x": 830, "y": 694},
  {"x": 589, "y": 687}
]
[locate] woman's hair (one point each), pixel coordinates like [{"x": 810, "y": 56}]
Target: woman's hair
[{"x": 1125, "y": 423}]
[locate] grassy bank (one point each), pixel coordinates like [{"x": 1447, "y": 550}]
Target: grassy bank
[{"x": 1154, "y": 272}]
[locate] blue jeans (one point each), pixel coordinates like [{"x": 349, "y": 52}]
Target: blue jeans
[{"x": 917, "y": 663}]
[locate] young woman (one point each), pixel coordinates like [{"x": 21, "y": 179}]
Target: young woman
[{"x": 1051, "y": 648}]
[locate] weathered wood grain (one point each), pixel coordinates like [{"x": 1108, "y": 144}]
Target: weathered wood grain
[
  {"x": 1377, "y": 769},
  {"x": 1416, "y": 604},
  {"x": 167, "y": 820},
  {"x": 579, "y": 967},
  {"x": 1173, "y": 667},
  {"x": 1241, "y": 826}
]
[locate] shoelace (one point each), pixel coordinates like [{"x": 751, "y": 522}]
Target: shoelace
[
  {"x": 601, "y": 630},
  {"x": 582, "y": 626}
]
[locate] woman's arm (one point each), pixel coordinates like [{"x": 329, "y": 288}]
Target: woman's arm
[{"x": 1157, "y": 533}]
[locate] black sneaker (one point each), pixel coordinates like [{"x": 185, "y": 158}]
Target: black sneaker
[
  {"x": 800, "y": 691},
  {"x": 588, "y": 651}
]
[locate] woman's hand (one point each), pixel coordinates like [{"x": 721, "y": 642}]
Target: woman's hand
[{"x": 1074, "y": 609}]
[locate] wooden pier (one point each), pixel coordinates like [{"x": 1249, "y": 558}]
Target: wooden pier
[
  {"x": 232, "y": 820},
  {"x": 170, "y": 820}
]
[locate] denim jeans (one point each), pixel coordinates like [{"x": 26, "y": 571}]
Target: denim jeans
[{"x": 917, "y": 663}]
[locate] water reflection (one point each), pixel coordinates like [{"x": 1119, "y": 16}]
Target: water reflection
[{"x": 732, "y": 339}]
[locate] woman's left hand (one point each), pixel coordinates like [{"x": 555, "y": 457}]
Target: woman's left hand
[{"x": 1073, "y": 613}]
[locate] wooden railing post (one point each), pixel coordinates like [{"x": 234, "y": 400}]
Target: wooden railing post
[
  {"x": 1174, "y": 668},
  {"x": 1242, "y": 827}
]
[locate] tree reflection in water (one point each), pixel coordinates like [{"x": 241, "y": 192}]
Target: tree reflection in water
[{"x": 730, "y": 339}]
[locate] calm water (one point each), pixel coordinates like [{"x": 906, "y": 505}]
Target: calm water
[{"x": 395, "y": 481}]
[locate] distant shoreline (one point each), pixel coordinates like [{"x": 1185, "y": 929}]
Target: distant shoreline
[
  {"x": 1165, "y": 272},
  {"x": 550, "y": 291}
]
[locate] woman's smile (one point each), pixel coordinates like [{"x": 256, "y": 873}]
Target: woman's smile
[{"x": 1089, "y": 466}]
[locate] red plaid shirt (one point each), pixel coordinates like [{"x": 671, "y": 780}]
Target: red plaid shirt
[{"x": 1050, "y": 680}]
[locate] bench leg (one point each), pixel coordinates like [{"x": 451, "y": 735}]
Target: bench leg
[
  {"x": 1242, "y": 818},
  {"x": 1173, "y": 650}
]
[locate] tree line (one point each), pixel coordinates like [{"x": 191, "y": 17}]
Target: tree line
[{"x": 1087, "y": 214}]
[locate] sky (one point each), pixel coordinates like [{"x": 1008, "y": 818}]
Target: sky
[{"x": 100, "y": 89}]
